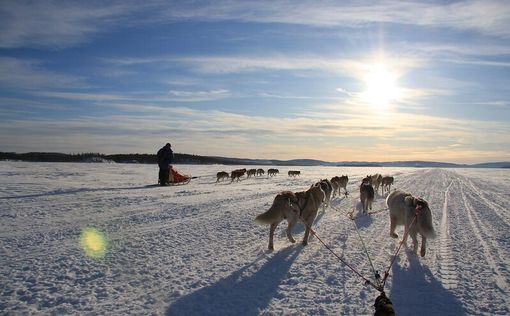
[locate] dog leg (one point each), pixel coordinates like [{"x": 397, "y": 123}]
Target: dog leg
[
  {"x": 307, "y": 232},
  {"x": 289, "y": 230},
  {"x": 271, "y": 234},
  {"x": 305, "y": 238},
  {"x": 423, "y": 245},
  {"x": 393, "y": 225}
]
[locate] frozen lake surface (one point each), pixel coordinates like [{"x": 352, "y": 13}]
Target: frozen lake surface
[{"x": 196, "y": 250}]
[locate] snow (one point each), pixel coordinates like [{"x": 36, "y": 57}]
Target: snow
[{"x": 196, "y": 250}]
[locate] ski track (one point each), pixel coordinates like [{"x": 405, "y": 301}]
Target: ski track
[{"x": 195, "y": 249}]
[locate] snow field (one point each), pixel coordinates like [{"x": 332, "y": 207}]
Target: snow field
[{"x": 195, "y": 249}]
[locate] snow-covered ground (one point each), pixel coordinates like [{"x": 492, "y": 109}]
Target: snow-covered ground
[{"x": 196, "y": 250}]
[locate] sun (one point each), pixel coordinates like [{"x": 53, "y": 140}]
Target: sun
[{"x": 381, "y": 85}]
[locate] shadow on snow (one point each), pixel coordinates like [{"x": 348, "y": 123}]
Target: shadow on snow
[
  {"x": 239, "y": 294},
  {"x": 416, "y": 291}
]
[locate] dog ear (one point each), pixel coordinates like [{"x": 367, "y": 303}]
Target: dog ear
[
  {"x": 421, "y": 202},
  {"x": 410, "y": 201}
]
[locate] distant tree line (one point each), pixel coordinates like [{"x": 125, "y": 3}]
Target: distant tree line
[{"x": 118, "y": 158}]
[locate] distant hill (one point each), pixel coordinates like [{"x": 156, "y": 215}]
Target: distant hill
[
  {"x": 492, "y": 165},
  {"x": 196, "y": 159}
]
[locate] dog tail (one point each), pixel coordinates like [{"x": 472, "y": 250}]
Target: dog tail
[
  {"x": 274, "y": 214},
  {"x": 426, "y": 226},
  {"x": 429, "y": 232},
  {"x": 270, "y": 216}
]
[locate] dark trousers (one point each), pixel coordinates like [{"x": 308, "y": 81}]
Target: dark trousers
[{"x": 163, "y": 176}]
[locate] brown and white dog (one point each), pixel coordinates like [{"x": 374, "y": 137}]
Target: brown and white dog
[
  {"x": 412, "y": 212},
  {"x": 291, "y": 206},
  {"x": 338, "y": 183}
]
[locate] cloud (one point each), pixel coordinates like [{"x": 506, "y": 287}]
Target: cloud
[
  {"x": 195, "y": 96},
  {"x": 57, "y": 24},
  {"x": 60, "y": 24},
  {"x": 487, "y": 17},
  {"x": 86, "y": 96},
  {"x": 172, "y": 96},
  {"x": 31, "y": 74},
  {"x": 213, "y": 132},
  {"x": 355, "y": 67}
]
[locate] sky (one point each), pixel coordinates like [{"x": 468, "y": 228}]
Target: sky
[{"x": 328, "y": 80}]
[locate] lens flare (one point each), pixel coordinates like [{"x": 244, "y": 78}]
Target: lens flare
[{"x": 93, "y": 242}]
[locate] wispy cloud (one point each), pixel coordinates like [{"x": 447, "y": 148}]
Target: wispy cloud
[
  {"x": 356, "y": 67},
  {"x": 30, "y": 74},
  {"x": 171, "y": 96},
  {"x": 195, "y": 96},
  {"x": 488, "y": 17},
  {"x": 407, "y": 136},
  {"x": 56, "y": 24}
]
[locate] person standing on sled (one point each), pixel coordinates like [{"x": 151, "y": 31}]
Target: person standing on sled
[{"x": 165, "y": 159}]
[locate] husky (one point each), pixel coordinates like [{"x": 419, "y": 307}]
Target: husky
[
  {"x": 366, "y": 194},
  {"x": 386, "y": 184},
  {"x": 326, "y": 187},
  {"x": 272, "y": 172},
  {"x": 293, "y": 173},
  {"x": 338, "y": 183},
  {"x": 221, "y": 175},
  {"x": 237, "y": 174},
  {"x": 403, "y": 210},
  {"x": 291, "y": 206},
  {"x": 251, "y": 172},
  {"x": 260, "y": 172},
  {"x": 376, "y": 181}
]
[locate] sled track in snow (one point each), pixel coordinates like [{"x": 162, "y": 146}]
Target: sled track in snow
[
  {"x": 484, "y": 236},
  {"x": 447, "y": 267}
]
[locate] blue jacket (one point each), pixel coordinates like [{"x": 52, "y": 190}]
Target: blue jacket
[{"x": 165, "y": 157}]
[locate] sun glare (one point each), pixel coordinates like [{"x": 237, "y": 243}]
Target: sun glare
[
  {"x": 93, "y": 242},
  {"x": 381, "y": 86}
]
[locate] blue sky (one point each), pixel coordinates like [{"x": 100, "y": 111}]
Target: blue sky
[{"x": 329, "y": 80}]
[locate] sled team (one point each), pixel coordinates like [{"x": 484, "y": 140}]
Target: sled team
[{"x": 404, "y": 209}]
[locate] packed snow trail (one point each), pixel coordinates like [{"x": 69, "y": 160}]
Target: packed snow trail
[{"x": 196, "y": 250}]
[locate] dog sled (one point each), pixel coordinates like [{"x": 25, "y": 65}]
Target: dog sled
[{"x": 176, "y": 178}]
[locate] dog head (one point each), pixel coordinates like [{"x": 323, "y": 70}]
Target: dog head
[
  {"x": 289, "y": 201},
  {"x": 416, "y": 203}
]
